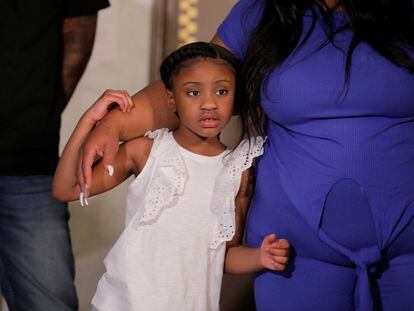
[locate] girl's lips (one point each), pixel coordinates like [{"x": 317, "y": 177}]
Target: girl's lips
[{"x": 209, "y": 122}]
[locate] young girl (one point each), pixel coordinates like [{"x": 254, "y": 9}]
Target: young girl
[{"x": 190, "y": 197}]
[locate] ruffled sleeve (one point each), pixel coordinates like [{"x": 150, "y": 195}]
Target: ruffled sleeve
[
  {"x": 168, "y": 180},
  {"x": 227, "y": 187}
]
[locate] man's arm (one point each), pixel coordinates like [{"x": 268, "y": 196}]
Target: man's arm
[{"x": 78, "y": 39}]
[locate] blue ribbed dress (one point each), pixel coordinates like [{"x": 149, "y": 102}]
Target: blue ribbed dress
[{"x": 337, "y": 175}]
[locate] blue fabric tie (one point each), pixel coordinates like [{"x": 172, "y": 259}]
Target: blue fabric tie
[{"x": 364, "y": 259}]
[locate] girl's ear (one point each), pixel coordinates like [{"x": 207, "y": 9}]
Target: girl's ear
[{"x": 171, "y": 101}]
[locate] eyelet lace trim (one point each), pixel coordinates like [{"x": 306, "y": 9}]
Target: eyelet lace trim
[
  {"x": 169, "y": 177},
  {"x": 228, "y": 182}
]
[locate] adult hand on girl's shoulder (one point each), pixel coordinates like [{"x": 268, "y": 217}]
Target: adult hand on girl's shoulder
[{"x": 274, "y": 253}]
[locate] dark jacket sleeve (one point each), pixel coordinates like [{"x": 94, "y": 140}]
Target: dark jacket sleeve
[{"x": 75, "y": 8}]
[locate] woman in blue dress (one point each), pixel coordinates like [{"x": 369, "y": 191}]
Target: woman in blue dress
[{"x": 334, "y": 84}]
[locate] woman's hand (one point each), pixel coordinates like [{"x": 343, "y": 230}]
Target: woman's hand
[
  {"x": 102, "y": 145},
  {"x": 102, "y": 142},
  {"x": 274, "y": 253},
  {"x": 108, "y": 100}
]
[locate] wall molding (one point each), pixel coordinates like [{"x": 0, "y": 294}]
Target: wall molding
[{"x": 175, "y": 23}]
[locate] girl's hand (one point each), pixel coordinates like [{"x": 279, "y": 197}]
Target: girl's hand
[
  {"x": 274, "y": 253},
  {"x": 107, "y": 100}
]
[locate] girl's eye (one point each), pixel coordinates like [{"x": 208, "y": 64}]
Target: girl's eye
[
  {"x": 222, "y": 92},
  {"x": 193, "y": 93}
]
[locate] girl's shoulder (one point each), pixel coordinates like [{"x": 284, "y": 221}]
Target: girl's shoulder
[
  {"x": 141, "y": 148},
  {"x": 150, "y": 139},
  {"x": 161, "y": 140}
]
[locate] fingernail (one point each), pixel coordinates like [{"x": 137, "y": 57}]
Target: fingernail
[
  {"x": 81, "y": 196},
  {"x": 85, "y": 193},
  {"x": 110, "y": 170}
]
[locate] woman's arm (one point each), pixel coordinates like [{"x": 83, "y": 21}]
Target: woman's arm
[
  {"x": 128, "y": 159},
  {"x": 273, "y": 253},
  {"x": 151, "y": 112},
  {"x": 65, "y": 186}
]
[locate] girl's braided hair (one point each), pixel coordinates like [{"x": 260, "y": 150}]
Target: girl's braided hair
[{"x": 190, "y": 53}]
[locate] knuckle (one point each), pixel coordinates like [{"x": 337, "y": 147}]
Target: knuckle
[{"x": 284, "y": 243}]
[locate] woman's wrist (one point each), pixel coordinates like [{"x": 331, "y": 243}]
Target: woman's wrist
[
  {"x": 87, "y": 119},
  {"x": 110, "y": 126}
]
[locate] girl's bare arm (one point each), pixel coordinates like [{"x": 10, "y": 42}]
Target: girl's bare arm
[
  {"x": 272, "y": 254},
  {"x": 240, "y": 259}
]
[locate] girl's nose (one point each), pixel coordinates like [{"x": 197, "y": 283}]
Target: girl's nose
[{"x": 208, "y": 103}]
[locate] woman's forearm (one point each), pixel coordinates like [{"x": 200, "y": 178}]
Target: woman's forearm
[
  {"x": 151, "y": 112},
  {"x": 65, "y": 180},
  {"x": 243, "y": 260}
]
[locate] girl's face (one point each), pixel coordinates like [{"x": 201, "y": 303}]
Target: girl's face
[{"x": 203, "y": 97}]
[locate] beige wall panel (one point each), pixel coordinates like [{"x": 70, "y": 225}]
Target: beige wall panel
[{"x": 212, "y": 13}]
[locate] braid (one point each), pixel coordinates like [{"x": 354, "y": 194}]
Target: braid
[{"x": 189, "y": 53}]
